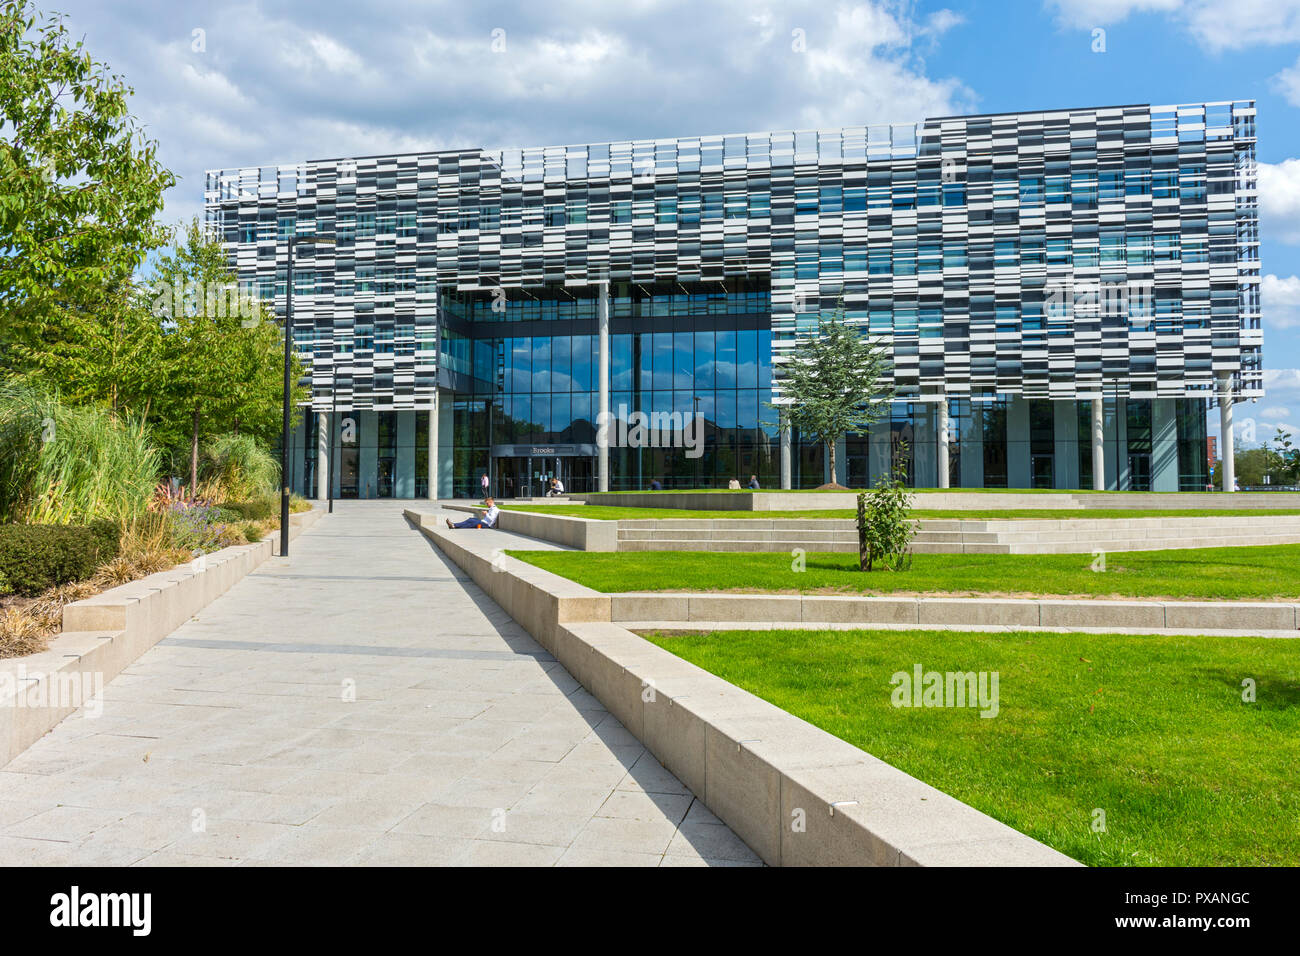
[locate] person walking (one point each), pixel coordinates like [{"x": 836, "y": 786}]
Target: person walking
[{"x": 484, "y": 483}]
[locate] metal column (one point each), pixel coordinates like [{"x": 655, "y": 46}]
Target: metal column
[
  {"x": 1098, "y": 446},
  {"x": 603, "y": 421},
  {"x": 941, "y": 442},
  {"x": 1227, "y": 451}
]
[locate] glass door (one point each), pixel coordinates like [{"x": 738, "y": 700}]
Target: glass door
[
  {"x": 512, "y": 478},
  {"x": 1043, "y": 471},
  {"x": 349, "y": 471},
  {"x": 1139, "y": 472}
]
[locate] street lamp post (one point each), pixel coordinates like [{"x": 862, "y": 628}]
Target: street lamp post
[
  {"x": 288, "y": 344},
  {"x": 334, "y": 417}
]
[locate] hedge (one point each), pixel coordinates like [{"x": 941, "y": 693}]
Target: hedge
[{"x": 34, "y": 557}]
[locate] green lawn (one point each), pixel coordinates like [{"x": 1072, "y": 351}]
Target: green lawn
[
  {"x": 940, "y": 491},
  {"x": 1263, "y": 572},
  {"x": 615, "y": 513},
  {"x": 1152, "y": 730}
]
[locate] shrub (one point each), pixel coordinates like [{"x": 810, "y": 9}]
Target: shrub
[
  {"x": 256, "y": 509},
  {"x": 236, "y": 467},
  {"x": 21, "y": 633},
  {"x": 198, "y": 528},
  {"x": 884, "y": 529},
  {"x": 21, "y": 433},
  {"x": 68, "y": 465},
  {"x": 36, "y": 557}
]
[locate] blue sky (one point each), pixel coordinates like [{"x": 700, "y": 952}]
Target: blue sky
[{"x": 228, "y": 83}]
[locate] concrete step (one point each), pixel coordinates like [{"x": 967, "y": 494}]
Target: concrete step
[{"x": 728, "y": 535}]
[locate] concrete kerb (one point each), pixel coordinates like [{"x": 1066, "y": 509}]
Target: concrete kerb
[
  {"x": 955, "y": 500},
  {"x": 1022, "y": 613},
  {"x": 794, "y": 793},
  {"x": 104, "y": 634},
  {"x": 584, "y": 534}
]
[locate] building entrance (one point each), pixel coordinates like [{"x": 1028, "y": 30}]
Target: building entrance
[{"x": 529, "y": 476}]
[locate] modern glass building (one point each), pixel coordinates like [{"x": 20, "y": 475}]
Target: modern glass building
[{"x": 1064, "y": 294}]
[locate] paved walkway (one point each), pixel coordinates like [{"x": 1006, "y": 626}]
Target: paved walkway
[{"x": 362, "y": 704}]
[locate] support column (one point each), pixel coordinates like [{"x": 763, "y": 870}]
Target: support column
[
  {"x": 322, "y": 455},
  {"x": 1098, "y": 446},
  {"x": 941, "y": 443},
  {"x": 786, "y": 464},
  {"x": 1164, "y": 445},
  {"x": 1227, "y": 451},
  {"x": 433, "y": 448},
  {"x": 603, "y": 421}
]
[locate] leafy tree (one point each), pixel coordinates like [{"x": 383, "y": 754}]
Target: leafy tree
[
  {"x": 1250, "y": 465},
  {"x": 80, "y": 186},
  {"x": 833, "y": 382},
  {"x": 1288, "y": 458},
  {"x": 885, "y": 530},
  {"x": 110, "y": 355},
  {"x": 221, "y": 351},
  {"x": 1279, "y": 463}
]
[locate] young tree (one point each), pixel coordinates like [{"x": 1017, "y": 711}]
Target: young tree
[
  {"x": 885, "y": 528},
  {"x": 221, "y": 351},
  {"x": 80, "y": 186},
  {"x": 833, "y": 383},
  {"x": 1288, "y": 458}
]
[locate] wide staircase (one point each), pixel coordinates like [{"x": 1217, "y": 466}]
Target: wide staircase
[{"x": 962, "y": 536}]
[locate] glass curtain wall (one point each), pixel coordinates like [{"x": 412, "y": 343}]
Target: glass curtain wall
[{"x": 527, "y": 364}]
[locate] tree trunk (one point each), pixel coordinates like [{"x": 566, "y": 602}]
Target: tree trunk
[
  {"x": 830, "y": 447},
  {"x": 194, "y": 456}
]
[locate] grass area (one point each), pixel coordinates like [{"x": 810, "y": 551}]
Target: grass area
[
  {"x": 1257, "y": 573},
  {"x": 1152, "y": 730},
  {"x": 941, "y": 491},
  {"x": 615, "y": 513}
]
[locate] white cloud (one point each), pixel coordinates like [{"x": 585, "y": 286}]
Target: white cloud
[
  {"x": 1085, "y": 14},
  {"x": 1282, "y": 388},
  {"x": 1280, "y": 301},
  {"x": 300, "y": 79},
  {"x": 1279, "y": 201},
  {"x": 1216, "y": 25},
  {"x": 1287, "y": 82}
]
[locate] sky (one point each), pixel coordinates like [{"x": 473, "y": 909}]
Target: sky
[{"x": 228, "y": 83}]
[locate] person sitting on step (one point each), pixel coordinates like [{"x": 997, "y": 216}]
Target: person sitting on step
[{"x": 484, "y": 519}]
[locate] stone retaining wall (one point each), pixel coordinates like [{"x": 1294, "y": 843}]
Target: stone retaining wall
[
  {"x": 106, "y": 633},
  {"x": 939, "y": 500},
  {"x": 796, "y": 794},
  {"x": 584, "y": 534}
]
